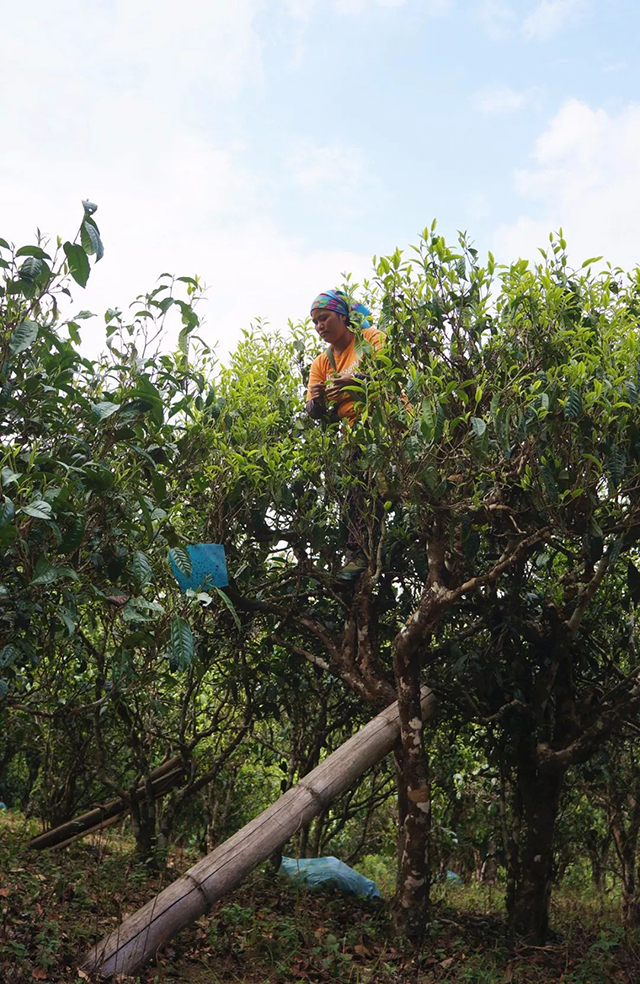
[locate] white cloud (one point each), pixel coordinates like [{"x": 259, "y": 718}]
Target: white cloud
[
  {"x": 302, "y": 9},
  {"x": 548, "y": 17},
  {"x": 497, "y": 17},
  {"x": 335, "y": 171},
  {"x": 477, "y": 206},
  {"x": 500, "y": 100},
  {"x": 619, "y": 66},
  {"x": 130, "y": 106},
  {"x": 585, "y": 180},
  {"x": 359, "y": 6}
]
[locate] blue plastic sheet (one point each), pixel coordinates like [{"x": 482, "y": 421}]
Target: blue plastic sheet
[
  {"x": 329, "y": 873},
  {"x": 208, "y": 567}
]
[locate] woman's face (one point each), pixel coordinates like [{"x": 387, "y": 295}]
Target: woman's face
[{"x": 331, "y": 326}]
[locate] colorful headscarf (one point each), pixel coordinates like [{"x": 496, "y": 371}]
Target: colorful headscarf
[{"x": 337, "y": 300}]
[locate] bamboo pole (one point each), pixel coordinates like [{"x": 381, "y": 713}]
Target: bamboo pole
[
  {"x": 141, "y": 934},
  {"x": 162, "y": 779}
]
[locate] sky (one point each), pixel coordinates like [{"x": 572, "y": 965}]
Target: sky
[{"x": 272, "y": 145}]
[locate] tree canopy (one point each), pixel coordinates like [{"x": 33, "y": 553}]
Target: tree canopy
[{"x": 494, "y": 466}]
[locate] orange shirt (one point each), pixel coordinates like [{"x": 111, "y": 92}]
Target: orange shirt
[{"x": 346, "y": 364}]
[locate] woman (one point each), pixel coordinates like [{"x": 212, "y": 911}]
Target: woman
[
  {"x": 330, "y": 374},
  {"x": 335, "y": 368}
]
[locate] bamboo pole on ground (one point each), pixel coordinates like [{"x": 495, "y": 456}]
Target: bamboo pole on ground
[
  {"x": 139, "y": 936},
  {"x": 162, "y": 780}
]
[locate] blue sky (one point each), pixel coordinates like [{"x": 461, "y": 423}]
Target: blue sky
[{"x": 269, "y": 145}]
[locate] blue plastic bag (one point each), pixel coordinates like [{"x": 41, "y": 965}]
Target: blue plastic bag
[
  {"x": 328, "y": 873},
  {"x": 208, "y": 567},
  {"x": 451, "y": 877}
]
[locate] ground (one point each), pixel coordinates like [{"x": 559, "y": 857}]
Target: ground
[{"x": 54, "y": 905}]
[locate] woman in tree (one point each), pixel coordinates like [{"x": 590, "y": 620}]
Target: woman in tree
[
  {"x": 334, "y": 369},
  {"x": 332, "y": 372}
]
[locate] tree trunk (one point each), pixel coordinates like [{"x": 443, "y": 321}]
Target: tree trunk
[
  {"x": 630, "y": 879},
  {"x": 626, "y": 840},
  {"x": 143, "y": 822},
  {"x": 413, "y": 891},
  {"x": 631, "y": 908},
  {"x": 5, "y": 760},
  {"x": 537, "y": 797},
  {"x": 489, "y": 866},
  {"x": 598, "y": 851},
  {"x": 140, "y": 935},
  {"x": 316, "y": 832},
  {"x": 33, "y": 763},
  {"x": 402, "y": 809}
]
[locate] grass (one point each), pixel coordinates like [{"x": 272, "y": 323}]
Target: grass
[{"x": 54, "y": 905}]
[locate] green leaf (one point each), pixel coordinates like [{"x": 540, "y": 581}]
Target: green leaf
[
  {"x": 4, "y": 244},
  {"x": 9, "y": 476},
  {"x": 73, "y": 534},
  {"x": 74, "y": 333},
  {"x": 67, "y": 619},
  {"x": 146, "y": 516},
  {"x": 549, "y": 480},
  {"x": 141, "y": 568},
  {"x": 616, "y": 465},
  {"x": 31, "y": 269},
  {"x": 77, "y": 262},
  {"x": 141, "y": 610},
  {"x": 104, "y": 409},
  {"x": 89, "y": 207},
  {"x": 8, "y": 655},
  {"x": 98, "y": 476},
  {"x": 181, "y": 652},
  {"x": 31, "y": 251},
  {"x": 38, "y": 509},
  {"x": 183, "y": 340},
  {"x": 90, "y": 237},
  {"x": 227, "y": 601},
  {"x": 145, "y": 390},
  {"x": 427, "y": 424},
  {"x": 49, "y": 574},
  {"x": 83, "y": 315},
  {"x": 7, "y": 511},
  {"x": 23, "y": 336},
  {"x": 181, "y": 559},
  {"x": 165, "y": 304},
  {"x": 478, "y": 426},
  {"x": 573, "y": 404}
]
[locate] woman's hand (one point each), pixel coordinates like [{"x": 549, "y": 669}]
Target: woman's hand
[
  {"x": 335, "y": 386},
  {"x": 318, "y": 391}
]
